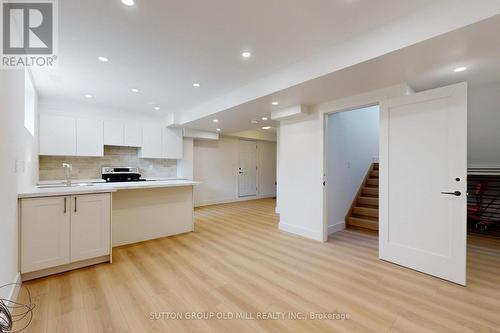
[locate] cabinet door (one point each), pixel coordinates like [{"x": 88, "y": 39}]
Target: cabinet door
[
  {"x": 172, "y": 143},
  {"x": 113, "y": 133},
  {"x": 132, "y": 135},
  {"x": 45, "y": 231},
  {"x": 89, "y": 137},
  {"x": 90, "y": 226},
  {"x": 152, "y": 145},
  {"x": 57, "y": 135}
]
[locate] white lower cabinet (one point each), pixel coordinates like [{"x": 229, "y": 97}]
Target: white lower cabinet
[
  {"x": 45, "y": 229},
  {"x": 90, "y": 226},
  {"x": 61, "y": 230}
]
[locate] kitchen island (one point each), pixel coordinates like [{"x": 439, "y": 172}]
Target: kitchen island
[{"x": 148, "y": 211}]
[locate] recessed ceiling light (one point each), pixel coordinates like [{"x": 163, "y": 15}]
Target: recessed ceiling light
[
  {"x": 264, "y": 118},
  {"x": 157, "y": 108},
  {"x": 128, "y": 2},
  {"x": 254, "y": 121},
  {"x": 215, "y": 120},
  {"x": 103, "y": 59},
  {"x": 246, "y": 54},
  {"x": 196, "y": 85},
  {"x": 460, "y": 69},
  {"x": 88, "y": 96},
  {"x": 275, "y": 103},
  {"x": 218, "y": 130},
  {"x": 266, "y": 127},
  {"x": 134, "y": 90}
]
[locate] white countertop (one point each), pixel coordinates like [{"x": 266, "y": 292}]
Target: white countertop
[{"x": 37, "y": 191}]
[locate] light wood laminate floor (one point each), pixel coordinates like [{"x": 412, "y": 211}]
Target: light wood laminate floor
[{"x": 238, "y": 261}]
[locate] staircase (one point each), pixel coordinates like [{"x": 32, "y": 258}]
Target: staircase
[{"x": 364, "y": 209}]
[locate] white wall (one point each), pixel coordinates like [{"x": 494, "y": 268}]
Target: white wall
[
  {"x": 301, "y": 165},
  {"x": 484, "y": 125},
  {"x": 18, "y": 149},
  {"x": 216, "y": 167},
  {"x": 351, "y": 146}
]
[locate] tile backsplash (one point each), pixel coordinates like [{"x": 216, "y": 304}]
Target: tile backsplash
[{"x": 90, "y": 167}]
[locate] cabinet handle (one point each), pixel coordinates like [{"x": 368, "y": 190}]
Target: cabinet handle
[
  {"x": 75, "y": 204},
  {"x": 65, "y": 205}
]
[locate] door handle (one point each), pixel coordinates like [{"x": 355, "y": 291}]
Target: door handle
[
  {"x": 75, "y": 204},
  {"x": 65, "y": 205},
  {"x": 456, "y": 193}
]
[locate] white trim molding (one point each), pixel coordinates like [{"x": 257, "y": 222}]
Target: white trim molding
[
  {"x": 301, "y": 231},
  {"x": 339, "y": 226}
]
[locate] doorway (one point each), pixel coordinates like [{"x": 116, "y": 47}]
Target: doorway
[
  {"x": 351, "y": 176},
  {"x": 247, "y": 171}
]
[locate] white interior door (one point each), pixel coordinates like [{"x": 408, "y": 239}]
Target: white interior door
[
  {"x": 423, "y": 182},
  {"x": 247, "y": 172}
]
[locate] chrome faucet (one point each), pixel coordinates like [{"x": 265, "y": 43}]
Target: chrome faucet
[{"x": 67, "y": 168}]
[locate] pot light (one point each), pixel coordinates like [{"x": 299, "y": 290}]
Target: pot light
[
  {"x": 157, "y": 108},
  {"x": 89, "y": 96},
  {"x": 264, "y": 118},
  {"x": 266, "y": 127},
  {"x": 103, "y": 59},
  {"x": 215, "y": 120},
  {"x": 196, "y": 85},
  {"x": 128, "y": 2},
  {"x": 134, "y": 90},
  {"x": 246, "y": 54},
  {"x": 275, "y": 103},
  {"x": 460, "y": 69},
  {"x": 218, "y": 130},
  {"x": 254, "y": 121}
]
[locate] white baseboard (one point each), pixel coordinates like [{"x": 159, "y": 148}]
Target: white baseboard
[
  {"x": 230, "y": 200},
  {"x": 301, "y": 231},
  {"x": 277, "y": 210},
  {"x": 14, "y": 289},
  {"x": 336, "y": 227}
]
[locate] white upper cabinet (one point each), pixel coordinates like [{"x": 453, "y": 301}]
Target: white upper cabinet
[
  {"x": 89, "y": 137},
  {"x": 152, "y": 141},
  {"x": 172, "y": 143},
  {"x": 132, "y": 135},
  {"x": 67, "y": 136},
  {"x": 57, "y": 135},
  {"x": 117, "y": 133},
  {"x": 113, "y": 133}
]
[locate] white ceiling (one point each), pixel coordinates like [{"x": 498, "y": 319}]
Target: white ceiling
[
  {"x": 425, "y": 65},
  {"x": 163, "y": 46}
]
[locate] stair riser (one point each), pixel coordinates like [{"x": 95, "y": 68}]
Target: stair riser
[
  {"x": 368, "y": 201},
  {"x": 366, "y": 211},
  {"x": 370, "y": 191},
  {"x": 361, "y": 223}
]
